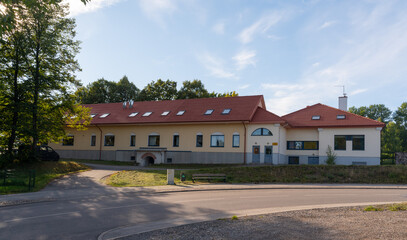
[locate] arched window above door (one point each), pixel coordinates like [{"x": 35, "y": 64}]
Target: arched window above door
[{"x": 262, "y": 132}]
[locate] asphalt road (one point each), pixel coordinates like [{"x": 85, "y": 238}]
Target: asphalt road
[{"x": 85, "y": 216}]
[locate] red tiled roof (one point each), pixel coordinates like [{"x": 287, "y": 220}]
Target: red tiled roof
[
  {"x": 264, "y": 116},
  {"x": 328, "y": 118},
  {"x": 242, "y": 109}
]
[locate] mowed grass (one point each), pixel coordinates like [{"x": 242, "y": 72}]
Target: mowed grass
[
  {"x": 274, "y": 174},
  {"x": 45, "y": 172},
  {"x": 139, "y": 178}
]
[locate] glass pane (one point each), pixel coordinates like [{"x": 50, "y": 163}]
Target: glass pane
[
  {"x": 291, "y": 145},
  {"x": 93, "y": 141},
  {"x": 358, "y": 143},
  {"x": 109, "y": 140},
  {"x": 236, "y": 140},
  {"x": 298, "y": 145},
  {"x": 266, "y": 132},
  {"x": 199, "y": 140},
  {"x": 311, "y": 145},
  {"x": 217, "y": 141},
  {"x": 257, "y": 132},
  {"x": 340, "y": 142},
  {"x": 268, "y": 151},
  {"x": 132, "y": 141},
  {"x": 153, "y": 140},
  {"x": 176, "y": 141}
]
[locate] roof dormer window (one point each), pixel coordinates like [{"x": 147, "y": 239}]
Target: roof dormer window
[
  {"x": 146, "y": 114},
  {"x": 340, "y": 116},
  {"x": 316, "y": 117},
  {"x": 180, "y": 113},
  {"x": 165, "y": 113},
  {"x": 209, "y": 112},
  {"x": 104, "y": 115},
  {"x": 226, "y": 111},
  {"x": 133, "y": 114}
]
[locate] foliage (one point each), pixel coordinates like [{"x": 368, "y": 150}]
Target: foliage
[
  {"x": 331, "y": 156},
  {"x": 377, "y": 112},
  {"x": 372, "y": 208},
  {"x": 159, "y": 90},
  {"x": 193, "y": 89},
  {"x": 37, "y": 70},
  {"x": 103, "y": 91}
]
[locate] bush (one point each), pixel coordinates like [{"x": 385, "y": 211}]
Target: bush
[{"x": 331, "y": 156}]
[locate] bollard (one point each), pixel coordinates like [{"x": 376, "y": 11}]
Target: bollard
[{"x": 170, "y": 177}]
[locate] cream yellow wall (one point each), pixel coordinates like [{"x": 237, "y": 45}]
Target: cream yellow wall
[
  {"x": 295, "y": 134},
  {"x": 264, "y": 140},
  {"x": 372, "y": 141},
  {"x": 187, "y": 137}
]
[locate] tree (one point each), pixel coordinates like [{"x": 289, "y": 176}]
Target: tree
[
  {"x": 159, "y": 90},
  {"x": 38, "y": 67},
  {"x": 400, "y": 115},
  {"x": 377, "y": 112},
  {"x": 193, "y": 89},
  {"x": 103, "y": 91}
]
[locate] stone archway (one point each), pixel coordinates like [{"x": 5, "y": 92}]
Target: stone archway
[{"x": 148, "y": 159}]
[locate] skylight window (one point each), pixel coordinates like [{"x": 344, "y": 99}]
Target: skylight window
[
  {"x": 146, "y": 114},
  {"x": 226, "y": 111},
  {"x": 93, "y": 115},
  {"x": 209, "y": 112},
  {"x": 165, "y": 113},
  {"x": 133, "y": 114},
  {"x": 340, "y": 116},
  {"x": 316, "y": 117},
  {"x": 180, "y": 113},
  {"x": 104, "y": 115}
]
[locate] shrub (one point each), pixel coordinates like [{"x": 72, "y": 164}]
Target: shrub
[{"x": 331, "y": 156}]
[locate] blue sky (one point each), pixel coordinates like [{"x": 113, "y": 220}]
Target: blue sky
[{"x": 295, "y": 53}]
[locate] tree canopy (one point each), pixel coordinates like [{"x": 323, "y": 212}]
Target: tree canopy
[{"x": 37, "y": 71}]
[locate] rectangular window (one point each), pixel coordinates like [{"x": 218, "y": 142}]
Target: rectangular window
[
  {"x": 175, "y": 141},
  {"x": 340, "y": 142},
  {"x": 236, "y": 140},
  {"x": 109, "y": 140},
  {"x": 199, "y": 140},
  {"x": 294, "y": 160},
  {"x": 358, "y": 142},
  {"x": 302, "y": 145},
  {"x": 217, "y": 140},
  {"x": 154, "y": 141},
  {"x": 68, "y": 140},
  {"x": 93, "y": 140},
  {"x": 133, "y": 140}
]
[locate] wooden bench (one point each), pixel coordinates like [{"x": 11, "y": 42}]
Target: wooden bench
[{"x": 208, "y": 176}]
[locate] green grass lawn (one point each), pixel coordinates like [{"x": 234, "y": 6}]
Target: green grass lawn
[
  {"x": 45, "y": 172},
  {"x": 273, "y": 174},
  {"x": 103, "y": 162},
  {"x": 387, "y": 207}
]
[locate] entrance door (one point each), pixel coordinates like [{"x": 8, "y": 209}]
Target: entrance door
[
  {"x": 256, "y": 154},
  {"x": 268, "y": 154}
]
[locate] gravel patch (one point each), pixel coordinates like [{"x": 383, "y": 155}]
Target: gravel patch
[{"x": 329, "y": 223}]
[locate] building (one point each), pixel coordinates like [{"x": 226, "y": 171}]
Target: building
[{"x": 222, "y": 130}]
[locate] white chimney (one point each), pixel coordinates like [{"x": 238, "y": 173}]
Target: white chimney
[{"x": 343, "y": 103}]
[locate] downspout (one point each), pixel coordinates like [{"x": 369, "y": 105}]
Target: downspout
[
  {"x": 244, "y": 151},
  {"x": 100, "y": 143},
  {"x": 279, "y": 144}
]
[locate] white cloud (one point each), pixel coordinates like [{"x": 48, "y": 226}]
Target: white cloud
[
  {"x": 261, "y": 26},
  {"x": 219, "y": 28},
  {"x": 76, "y": 7},
  {"x": 244, "y": 58},
  {"x": 357, "y": 91},
  {"x": 316, "y": 64},
  {"x": 157, "y": 9},
  {"x": 244, "y": 86},
  {"x": 327, "y": 24},
  {"x": 216, "y": 66}
]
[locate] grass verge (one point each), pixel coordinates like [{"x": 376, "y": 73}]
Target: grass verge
[
  {"x": 273, "y": 174},
  {"x": 45, "y": 173},
  {"x": 389, "y": 207}
]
